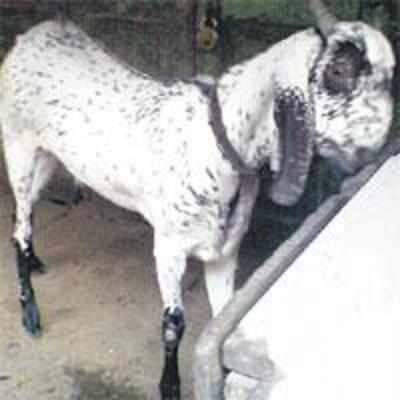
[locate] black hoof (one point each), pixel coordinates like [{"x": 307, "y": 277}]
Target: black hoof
[
  {"x": 170, "y": 393},
  {"x": 31, "y": 318},
  {"x": 30, "y": 312}
]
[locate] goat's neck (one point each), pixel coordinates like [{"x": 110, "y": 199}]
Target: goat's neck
[{"x": 246, "y": 94}]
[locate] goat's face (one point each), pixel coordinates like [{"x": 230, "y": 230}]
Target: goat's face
[{"x": 351, "y": 85}]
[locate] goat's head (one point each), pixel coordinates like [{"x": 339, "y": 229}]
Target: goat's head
[
  {"x": 350, "y": 93},
  {"x": 351, "y": 89}
]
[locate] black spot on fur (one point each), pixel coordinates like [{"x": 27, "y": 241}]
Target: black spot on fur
[{"x": 200, "y": 198}]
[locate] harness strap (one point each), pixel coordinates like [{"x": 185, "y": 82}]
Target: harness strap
[{"x": 210, "y": 90}]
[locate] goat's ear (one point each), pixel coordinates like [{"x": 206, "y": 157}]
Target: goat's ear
[{"x": 294, "y": 121}]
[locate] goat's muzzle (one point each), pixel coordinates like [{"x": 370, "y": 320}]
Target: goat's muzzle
[{"x": 348, "y": 162}]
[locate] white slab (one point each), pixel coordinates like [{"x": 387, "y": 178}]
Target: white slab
[{"x": 332, "y": 322}]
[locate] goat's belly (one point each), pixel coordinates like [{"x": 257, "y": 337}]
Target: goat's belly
[
  {"x": 116, "y": 180},
  {"x": 111, "y": 189}
]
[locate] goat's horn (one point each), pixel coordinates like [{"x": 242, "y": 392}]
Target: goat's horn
[{"x": 325, "y": 19}]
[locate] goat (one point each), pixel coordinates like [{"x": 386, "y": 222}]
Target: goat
[{"x": 185, "y": 154}]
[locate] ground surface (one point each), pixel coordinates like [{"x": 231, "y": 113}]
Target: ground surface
[{"x": 100, "y": 307}]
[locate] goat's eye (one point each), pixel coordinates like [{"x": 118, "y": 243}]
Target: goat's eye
[
  {"x": 341, "y": 73},
  {"x": 340, "y": 70}
]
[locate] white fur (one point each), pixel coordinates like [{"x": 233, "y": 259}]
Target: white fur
[{"x": 148, "y": 146}]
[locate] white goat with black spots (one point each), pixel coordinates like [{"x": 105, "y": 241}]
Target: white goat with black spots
[{"x": 184, "y": 155}]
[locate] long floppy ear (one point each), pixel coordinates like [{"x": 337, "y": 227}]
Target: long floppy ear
[{"x": 294, "y": 120}]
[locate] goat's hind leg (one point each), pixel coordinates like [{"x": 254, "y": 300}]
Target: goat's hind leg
[
  {"x": 44, "y": 168},
  {"x": 28, "y": 171},
  {"x": 21, "y": 180},
  {"x": 35, "y": 264}
]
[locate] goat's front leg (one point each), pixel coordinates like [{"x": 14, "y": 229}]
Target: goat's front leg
[
  {"x": 220, "y": 281},
  {"x": 173, "y": 326},
  {"x": 240, "y": 220},
  {"x": 220, "y": 273},
  {"x": 170, "y": 269}
]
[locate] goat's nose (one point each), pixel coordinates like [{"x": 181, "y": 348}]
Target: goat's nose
[{"x": 361, "y": 157}]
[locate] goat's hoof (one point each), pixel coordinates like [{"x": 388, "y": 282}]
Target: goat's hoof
[
  {"x": 171, "y": 393},
  {"x": 31, "y": 318},
  {"x": 36, "y": 265}
]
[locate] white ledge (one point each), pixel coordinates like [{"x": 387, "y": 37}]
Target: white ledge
[{"x": 332, "y": 321}]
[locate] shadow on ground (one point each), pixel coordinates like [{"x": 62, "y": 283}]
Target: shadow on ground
[{"x": 96, "y": 385}]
